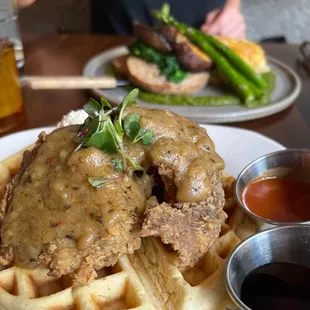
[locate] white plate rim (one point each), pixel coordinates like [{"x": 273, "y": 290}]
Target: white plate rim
[
  {"x": 228, "y": 117},
  {"x": 48, "y": 129}
]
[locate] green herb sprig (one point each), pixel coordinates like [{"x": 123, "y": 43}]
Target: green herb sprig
[
  {"x": 167, "y": 64},
  {"x": 98, "y": 182},
  {"x": 105, "y": 128}
]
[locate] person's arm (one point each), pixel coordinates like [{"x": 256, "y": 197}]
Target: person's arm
[
  {"x": 234, "y": 3},
  {"x": 24, "y": 3},
  {"x": 227, "y": 21}
]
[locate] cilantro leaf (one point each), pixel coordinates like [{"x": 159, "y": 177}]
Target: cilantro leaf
[{"x": 118, "y": 164}]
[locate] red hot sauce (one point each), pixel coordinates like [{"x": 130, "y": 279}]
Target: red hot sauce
[{"x": 279, "y": 199}]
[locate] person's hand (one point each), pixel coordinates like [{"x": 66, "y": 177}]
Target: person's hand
[
  {"x": 24, "y": 3},
  {"x": 226, "y": 22}
]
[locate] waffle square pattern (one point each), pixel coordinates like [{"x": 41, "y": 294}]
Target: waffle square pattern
[{"x": 148, "y": 279}]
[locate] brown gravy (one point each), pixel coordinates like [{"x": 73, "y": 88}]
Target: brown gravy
[{"x": 54, "y": 202}]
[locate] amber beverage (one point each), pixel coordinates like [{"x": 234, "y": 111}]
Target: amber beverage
[{"x": 11, "y": 100}]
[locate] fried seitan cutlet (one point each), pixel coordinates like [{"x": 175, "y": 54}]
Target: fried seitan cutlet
[
  {"x": 53, "y": 217},
  {"x": 56, "y": 219},
  {"x": 190, "y": 228}
]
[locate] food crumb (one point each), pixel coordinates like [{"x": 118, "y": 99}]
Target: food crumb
[{"x": 73, "y": 118}]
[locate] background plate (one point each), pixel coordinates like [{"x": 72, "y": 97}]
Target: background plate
[
  {"x": 287, "y": 88},
  {"x": 238, "y": 147}
]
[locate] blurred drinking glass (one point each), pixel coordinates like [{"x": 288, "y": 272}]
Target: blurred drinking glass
[
  {"x": 9, "y": 28},
  {"x": 11, "y": 59},
  {"x": 11, "y": 100}
]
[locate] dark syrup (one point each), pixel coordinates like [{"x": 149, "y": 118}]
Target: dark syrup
[{"x": 284, "y": 286}]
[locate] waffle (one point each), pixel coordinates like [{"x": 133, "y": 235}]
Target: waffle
[{"x": 147, "y": 279}]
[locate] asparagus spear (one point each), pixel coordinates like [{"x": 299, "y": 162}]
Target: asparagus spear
[
  {"x": 236, "y": 61},
  {"x": 270, "y": 79},
  {"x": 229, "y": 73},
  {"x": 246, "y": 90}
]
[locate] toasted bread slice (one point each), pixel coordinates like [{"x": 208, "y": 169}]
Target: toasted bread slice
[
  {"x": 148, "y": 77},
  {"x": 120, "y": 65}
]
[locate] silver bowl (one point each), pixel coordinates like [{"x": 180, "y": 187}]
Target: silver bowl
[
  {"x": 293, "y": 163},
  {"x": 290, "y": 244}
]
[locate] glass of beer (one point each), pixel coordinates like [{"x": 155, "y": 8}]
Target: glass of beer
[
  {"x": 11, "y": 100},
  {"x": 9, "y": 28}
]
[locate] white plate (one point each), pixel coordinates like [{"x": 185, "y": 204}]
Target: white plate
[
  {"x": 15, "y": 142},
  {"x": 238, "y": 147},
  {"x": 287, "y": 89}
]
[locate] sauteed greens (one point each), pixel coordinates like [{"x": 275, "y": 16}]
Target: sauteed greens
[{"x": 167, "y": 64}]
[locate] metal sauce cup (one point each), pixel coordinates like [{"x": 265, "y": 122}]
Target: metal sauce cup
[
  {"x": 290, "y": 244},
  {"x": 292, "y": 163}
]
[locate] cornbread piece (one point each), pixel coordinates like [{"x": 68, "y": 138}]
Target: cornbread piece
[{"x": 250, "y": 52}]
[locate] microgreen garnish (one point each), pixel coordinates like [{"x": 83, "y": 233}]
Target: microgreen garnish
[
  {"x": 135, "y": 164},
  {"x": 134, "y": 131},
  {"x": 105, "y": 128},
  {"x": 97, "y": 182},
  {"x": 92, "y": 108},
  {"x": 118, "y": 164},
  {"x": 104, "y": 138},
  {"x": 127, "y": 102},
  {"x": 105, "y": 103}
]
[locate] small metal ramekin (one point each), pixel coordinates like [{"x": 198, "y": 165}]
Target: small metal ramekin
[
  {"x": 289, "y": 244},
  {"x": 281, "y": 163}
]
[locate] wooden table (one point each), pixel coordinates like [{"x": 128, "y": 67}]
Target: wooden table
[{"x": 67, "y": 54}]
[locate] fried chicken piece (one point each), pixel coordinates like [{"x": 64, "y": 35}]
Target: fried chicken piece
[
  {"x": 28, "y": 157},
  {"x": 6, "y": 251},
  {"x": 54, "y": 218},
  {"x": 6, "y": 256},
  {"x": 62, "y": 257},
  {"x": 164, "y": 180},
  {"x": 191, "y": 228}
]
